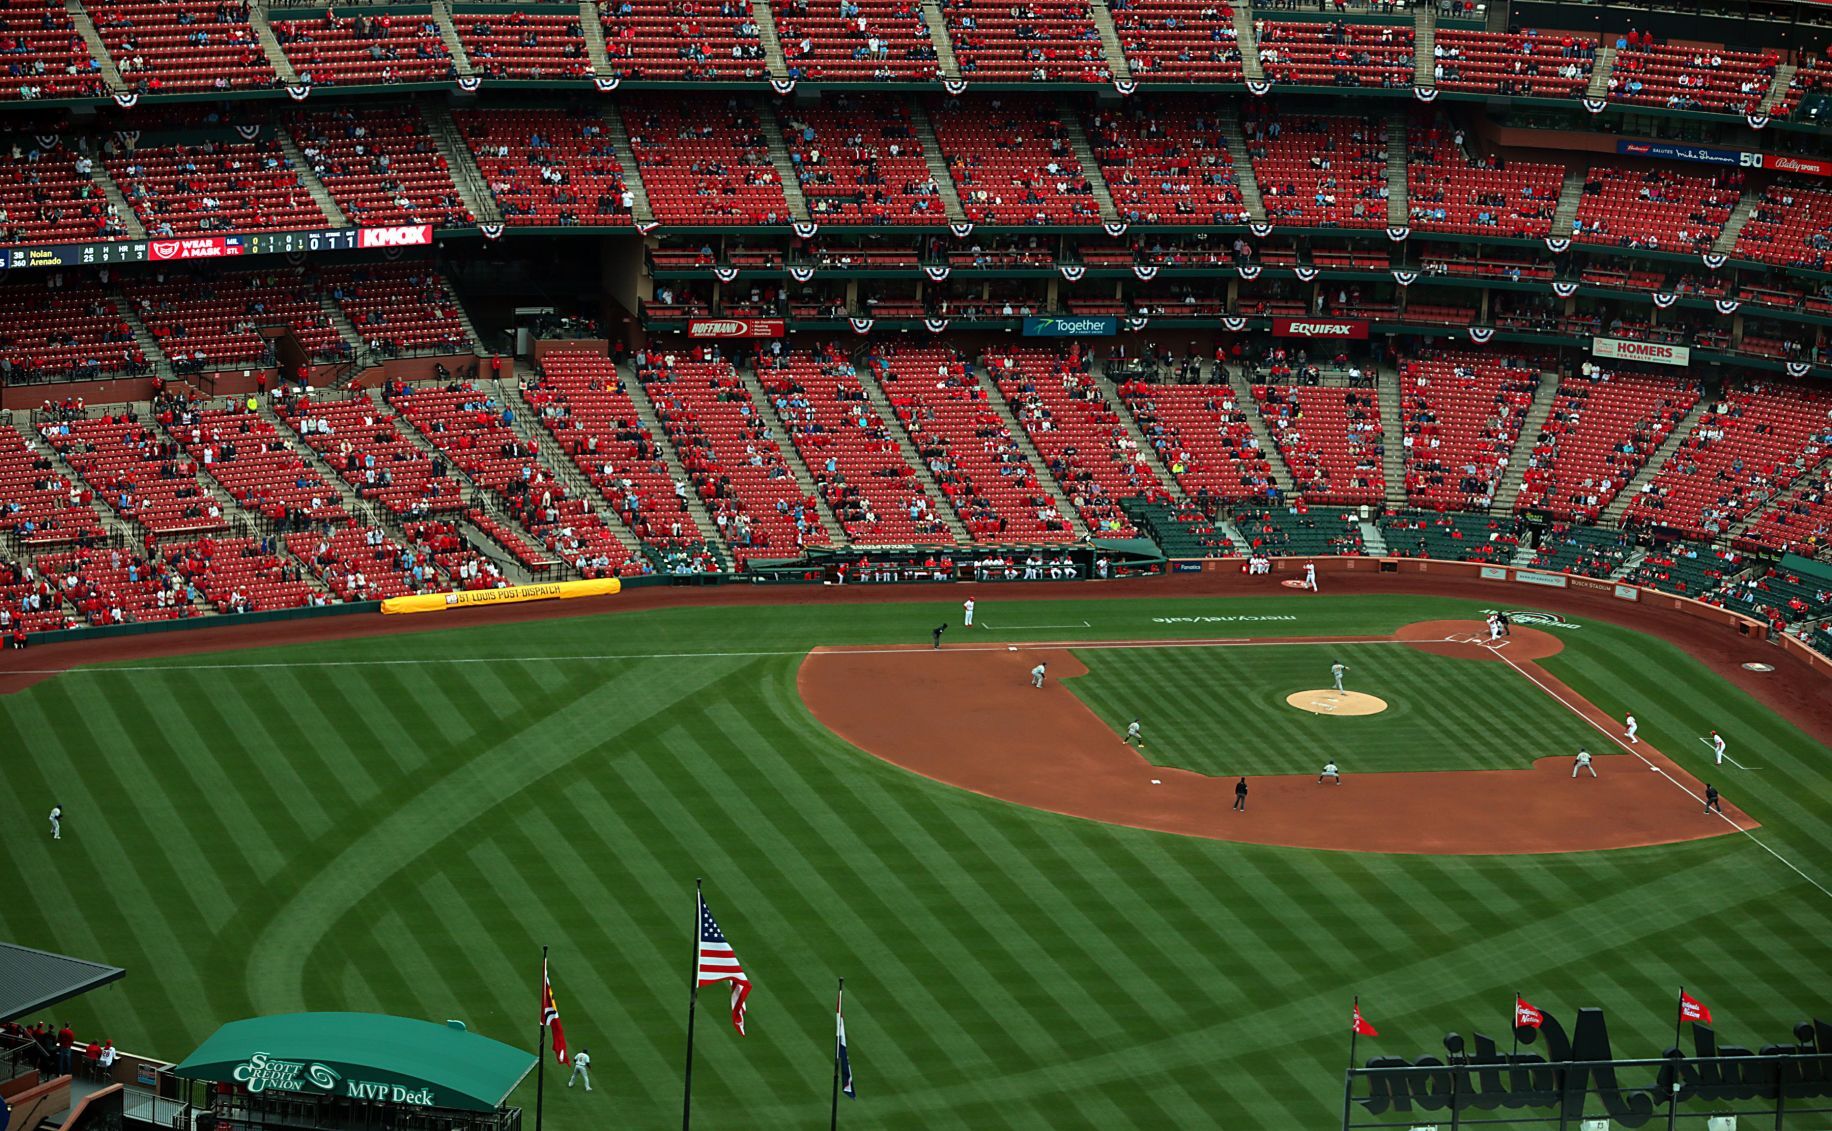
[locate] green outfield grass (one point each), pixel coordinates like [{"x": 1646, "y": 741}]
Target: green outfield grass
[
  {"x": 399, "y": 824},
  {"x": 1222, "y": 711}
]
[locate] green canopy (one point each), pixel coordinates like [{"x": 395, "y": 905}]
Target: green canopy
[{"x": 365, "y": 1056}]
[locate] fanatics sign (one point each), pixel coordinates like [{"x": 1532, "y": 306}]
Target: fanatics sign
[{"x": 1319, "y": 328}]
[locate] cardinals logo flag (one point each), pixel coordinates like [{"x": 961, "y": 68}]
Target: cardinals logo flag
[
  {"x": 1525, "y": 1014},
  {"x": 550, "y": 1016},
  {"x": 1360, "y": 1025},
  {"x": 1692, "y": 1009}
]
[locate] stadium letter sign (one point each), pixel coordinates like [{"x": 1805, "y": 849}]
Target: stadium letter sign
[
  {"x": 1625, "y": 349},
  {"x": 1579, "y": 1072},
  {"x": 1320, "y": 328},
  {"x": 1079, "y": 326},
  {"x": 261, "y": 1072}
]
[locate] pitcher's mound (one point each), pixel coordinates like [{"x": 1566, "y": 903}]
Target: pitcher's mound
[{"x": 1329, "y": 701}]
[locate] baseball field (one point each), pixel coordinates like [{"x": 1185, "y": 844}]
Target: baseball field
[{"x": 1039, "y": 927}]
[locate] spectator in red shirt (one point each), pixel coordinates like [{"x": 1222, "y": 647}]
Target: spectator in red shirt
[{"x": 66, "y": 1043}]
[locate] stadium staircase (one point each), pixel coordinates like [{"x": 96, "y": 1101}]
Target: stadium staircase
[
  {"x": 320, "y": 195},
  {"x": 1041, "y": 466},
  {"x": 696, "y": 507},
  {"x": 791, "y": 458},
  {"x": 1256, "y": 420},
  {"x": 1243, "y": 171},
  {"x": 593, "y": 33},
  {"x": 346, "y": 329},
  {"x": 1137, "y": 435},
  {"x": 1110, "y": 40},
  {"x": 937, "y": 24},
  {"x": 938, "y": 165},
  {"x": 1777, "y": 90},
  {"x": 358, "y": 507},
  {"x": 473, "y": 187},
  {"x": 1424, "y": 42},
  {"x": 1392, "y": 439},
  {"x": 772, "y": 46},
  {"x": 547, "y": 452},
  {"x": 454, "y": 44},
  {"x": 632, "y": 173},
  {"x": 1507, "y": 488},
  {"x": 1739, "y": 216},
  {"x": 1600, "y": 69},
  {"x": 477, "y": 497},
  {"x": 779, "y": 157},
  {"x": 242, "y": 522},
  {"x": 1612, "y": 515},
  {"x": 875, "y": 393},
  {"x": 1248, "y": 43},
  {"x": 1635, "y": 558},
  {"x": 1084, "y": 153},
  {"x": 270, "y": 44},
  {"x": 1398, "y": 146},
  {"x": 98, "y": 50},
  {"x": 130, "y": 219},
  {"x": 1776, "y": 501},
  {"x": 143, "y": 337},
  {"x": 1374, "y": 543},
  {"x": 1570, "y": 195}
]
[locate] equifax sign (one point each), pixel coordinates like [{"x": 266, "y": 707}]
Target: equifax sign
[
  {"x": 1314, "y": 328},
  {"x": 1623, "y": 349}
]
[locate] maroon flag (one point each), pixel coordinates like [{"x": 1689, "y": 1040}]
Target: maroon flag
[{"x": 550, "y": 1016}]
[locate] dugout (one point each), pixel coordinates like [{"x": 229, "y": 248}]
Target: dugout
[{"x": 334, "y": 1071}]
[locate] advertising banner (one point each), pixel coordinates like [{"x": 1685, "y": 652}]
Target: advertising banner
[
  {"x": 737, "y": 328},
  {"x": 1072, "y": 326},
  {"x": 1320, "y": 328},
  {"x": 514, "y": 594},
  {"x": 403, "y": 235},
  {"x": 1697, "y": 153},
  {"x": 1622, "y": 349}
]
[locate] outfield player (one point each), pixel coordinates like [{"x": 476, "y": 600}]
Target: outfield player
[
  {"x": 1582, "y": 762},
  {"x": 967, "y": 608},
  {"x": 1310, "y": 576},
  {"x": 57, "y": 822},
  {"x": 582, "y": 1068},
  {"x": 1133, "y": 735},
  {"x": 1037, "y": 675},
  {"x": 1335, "y": 670},
  {"x": 1632, "y": 726},
  {"x": 1330, "y": 771},
  {"x": 1717, "y": 747}
]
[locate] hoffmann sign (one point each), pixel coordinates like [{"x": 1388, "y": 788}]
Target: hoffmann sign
[
  {"x": 1623, "y": 349},
  {"x": 1319, "y": 328},
  {"x": 736, "y": 328}
]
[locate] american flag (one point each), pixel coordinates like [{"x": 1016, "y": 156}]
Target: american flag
[{"x": 717, "y": 964}]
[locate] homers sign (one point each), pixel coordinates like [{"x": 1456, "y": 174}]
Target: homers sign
[{"x": 1623, "y": 349}]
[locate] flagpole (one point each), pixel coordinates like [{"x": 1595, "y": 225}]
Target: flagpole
[
  {"x": 693, "y": 1000},
  {"x": 540, "y": 1051},
  {"x": 1348, "y": 1078},
  {"x": 1679, "y": 1015},
  {"x": 1515, "y": 1026},
  {"x": 833, "y": 1120}
]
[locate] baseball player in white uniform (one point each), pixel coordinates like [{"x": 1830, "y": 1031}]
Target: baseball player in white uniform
[
  {"x": 1494, "y": 623},
  {"x": 1310, "y": 576},
  {"x": 57, "y": 822},
  {"x": 967, "y": 610},
  {"x": 1335, "y": 671},
  {"x": 1133, "y": 735},
  {"x": 1717, "y": 747},
  {"x": 582, "y": 1068},
  {"x": 1631, "y": 727},
  {"x": 1037, "y": 675},
  {"x": 1330, "y": 771},
  {"x": 1582, "y": 762}
]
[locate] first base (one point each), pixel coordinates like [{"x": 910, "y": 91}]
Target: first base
[{"x": 1011, "y": 647}]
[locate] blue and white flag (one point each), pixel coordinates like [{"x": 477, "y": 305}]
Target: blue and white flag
[{"x": 839, "y": 1021}]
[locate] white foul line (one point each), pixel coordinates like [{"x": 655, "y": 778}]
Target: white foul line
[
  {"x": 1727, "y": 757},
  {"x": 1615, "y": 738},
  {"x": 1030, "y": 627}
]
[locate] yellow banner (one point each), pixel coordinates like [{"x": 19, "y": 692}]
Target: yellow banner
[{"x": 562, "y": 590}]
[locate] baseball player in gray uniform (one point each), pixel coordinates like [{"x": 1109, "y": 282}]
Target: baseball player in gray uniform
[
  {"x": 1335, "y": 671},
  {"x": 1582, "y": 762},
  {"x": 1133, "y": 735},
  {"x": 1037, "y": 675}
]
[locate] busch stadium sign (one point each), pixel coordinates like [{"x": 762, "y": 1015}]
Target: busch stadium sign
[
  {"x": 1579, "y": 1076},
  {"x": 1320, "y": 328}
]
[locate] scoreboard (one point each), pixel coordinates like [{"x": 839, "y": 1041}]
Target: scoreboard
[{"x": 186, "y": 248}]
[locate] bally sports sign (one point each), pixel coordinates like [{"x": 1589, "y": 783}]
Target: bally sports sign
[
  {"x": 1623, "y": 349},
  {"x": 1319, "y": 328}
]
